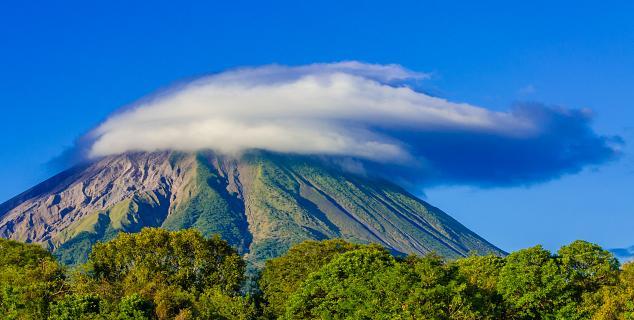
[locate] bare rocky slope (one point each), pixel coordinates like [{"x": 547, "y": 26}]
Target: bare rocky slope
[{"x": 261, "y": 203}]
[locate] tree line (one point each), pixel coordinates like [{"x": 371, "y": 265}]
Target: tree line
[{"x": 159, "y": 274}]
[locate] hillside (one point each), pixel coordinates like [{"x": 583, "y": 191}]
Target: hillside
[{"x": 261, "y": 203}]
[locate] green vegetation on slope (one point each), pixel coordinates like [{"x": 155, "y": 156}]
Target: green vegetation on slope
[
  {"x": 298, "y": 198},
  {"x": 130, "y": 215},
  {"x": 393, "y": 216},
  {"x": 210, "y": 208},
  {"x": 158, "y": 274},
  {"x": 284, "y": 216}
]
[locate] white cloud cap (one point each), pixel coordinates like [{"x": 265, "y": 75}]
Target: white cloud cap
[{"x": 340, "y": 109}]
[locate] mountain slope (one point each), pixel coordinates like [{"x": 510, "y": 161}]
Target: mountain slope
[{"x": 261, "y": 203}]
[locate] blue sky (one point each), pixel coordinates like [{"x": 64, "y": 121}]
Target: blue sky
[{"x": 64, "y": 67}]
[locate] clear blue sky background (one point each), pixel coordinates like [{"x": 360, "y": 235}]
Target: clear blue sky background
[{"x": 64, "y": 66}]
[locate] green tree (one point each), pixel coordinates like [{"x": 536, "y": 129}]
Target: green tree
[
  {"x": 156, "y": 257},
  {"x": 369, "y": 283},
  {"x": 617, "y": 301},
  {"x": 213, "y": 304},
  {"x": 135, "y": 307},
  {"x": 533, "y": 285},
  {"x": 160, "y": 274},
  {"x": 282, "y": 276},
  {"x": 439, "y": 291},
  {"x": 483, "y": 273},
  {"x": 73, "y": 307},
  {"x": 174, "y": 301},
  {"x": 347, "y": 287},
  {"x": 587, "y": 268},
  {"x": 30, "y": 279}
]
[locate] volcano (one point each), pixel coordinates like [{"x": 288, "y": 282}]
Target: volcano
[{"x": 261, "y": 203}]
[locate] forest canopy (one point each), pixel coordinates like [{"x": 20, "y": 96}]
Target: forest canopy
[{"x": 159, "y": 274}]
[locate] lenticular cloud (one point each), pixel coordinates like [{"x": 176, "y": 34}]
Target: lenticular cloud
[{"x": 365, "y": 112}]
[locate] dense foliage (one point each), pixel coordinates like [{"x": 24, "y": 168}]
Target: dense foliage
[
  {"x": 30, "y": 279},
  {"x": 158, "y": 274}
]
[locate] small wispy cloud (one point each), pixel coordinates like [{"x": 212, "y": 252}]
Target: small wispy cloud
[{"x": 364, "y": 112}]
